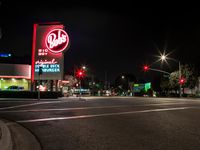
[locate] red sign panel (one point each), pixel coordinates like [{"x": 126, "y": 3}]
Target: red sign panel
[{"x": 49, "y": 43}]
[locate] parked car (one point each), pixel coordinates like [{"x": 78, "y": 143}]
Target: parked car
[
  {"x": 107, "y": 93},
  {"x": 15, "y": 88}
]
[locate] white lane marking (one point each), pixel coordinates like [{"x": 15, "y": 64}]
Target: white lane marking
[
  {"x": 32, "y": 104},
  {"x": 146, "y": 98},
  {"x": 17, "y": 101},
  {"x": 84, "y": 108},
  {"x": 102, "y": 115}
]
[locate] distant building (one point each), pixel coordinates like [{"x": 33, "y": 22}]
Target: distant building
[
  {"x": 195, "y": 90},
  {"x": 137, "y": 88}
]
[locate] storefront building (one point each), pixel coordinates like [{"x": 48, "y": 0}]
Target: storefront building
[{"x": 15, "y": 77}]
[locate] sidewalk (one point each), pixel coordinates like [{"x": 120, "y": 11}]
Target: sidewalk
[
  {"x": 13, "y": 136},
  {"x": 5, "y": 137}
]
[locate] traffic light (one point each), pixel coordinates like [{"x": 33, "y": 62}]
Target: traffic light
[
  {"x": 146, "y": 68},
  {"x": 80, "y": 74},
  {"x": 181, "y": 81}
]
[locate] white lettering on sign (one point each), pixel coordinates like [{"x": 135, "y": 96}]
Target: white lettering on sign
[
  {"x": 43, "y": 62},
  {"x": 42, "y": 52},
  {"x": 47, "y": 68},
  {"x": 55, "y": 40}
]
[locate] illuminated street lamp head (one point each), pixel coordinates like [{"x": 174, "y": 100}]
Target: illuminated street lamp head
[
  {"x": 163, "y": 57},
  {"x": 83, "y": 67},
  {"x": 123, "y": 77}
]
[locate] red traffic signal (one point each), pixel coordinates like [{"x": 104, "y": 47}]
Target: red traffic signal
[
  {"x": 182, "y": 81},
  {"x": 146, "y": 68},
  {"x": 80, "y": 73}
]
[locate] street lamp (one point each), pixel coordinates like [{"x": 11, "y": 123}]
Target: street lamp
[
  {"x": 128, "y": 82},
  {"x": 163, "y": 57},
  {"x": 84, "y": 67}
]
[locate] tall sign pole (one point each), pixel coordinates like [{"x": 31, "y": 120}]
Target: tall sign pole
[
  {"x": 39, "y": 89},
  {"x": 39, "y": 73}
]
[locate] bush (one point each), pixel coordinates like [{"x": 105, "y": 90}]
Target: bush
[
  {"x": 29, "y": 94},
  {"x": 184, "y": 95},
  {"x": 150, "y": 92},
  {"x": 191, "y": 95}
]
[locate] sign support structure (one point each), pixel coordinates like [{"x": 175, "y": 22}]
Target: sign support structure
[{"x": 39, "y": 73}]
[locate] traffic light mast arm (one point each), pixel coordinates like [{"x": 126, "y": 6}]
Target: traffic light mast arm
[{"x": 158, "y": 70}]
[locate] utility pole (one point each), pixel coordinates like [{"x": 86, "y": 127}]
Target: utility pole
[
  {"x": 92, "y": 84},
  {"x": 105, "y": 80}
]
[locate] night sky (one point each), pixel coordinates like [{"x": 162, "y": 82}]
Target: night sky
[{"x": 114, "y": 38}]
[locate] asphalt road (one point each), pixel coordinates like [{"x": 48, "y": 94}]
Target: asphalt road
[{"x": 114, "y": 123}]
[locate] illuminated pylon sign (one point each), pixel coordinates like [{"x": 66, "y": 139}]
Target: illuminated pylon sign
[
  {"x": 50, "y": 41},
  {"x": 57, "y": 40}
]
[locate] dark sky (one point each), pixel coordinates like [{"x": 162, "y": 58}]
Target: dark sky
[{"x": 115, "y": 37}]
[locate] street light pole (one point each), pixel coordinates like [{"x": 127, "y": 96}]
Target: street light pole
[{"x": 163, "y": 57}]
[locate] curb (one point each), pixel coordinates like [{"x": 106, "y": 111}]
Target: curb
[
  {"x": 22, "y": 138},
  {"x": 14, "y": 136},
  {"x": 5, "y": 137}
]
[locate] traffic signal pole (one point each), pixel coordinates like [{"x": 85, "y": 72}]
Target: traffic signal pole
[
  {"x": 80, "y": 75},
  {"x": 80, "y": 88},
  {"x": 146, "y": 68},
  {"x": 159, "y": 70},
  {"x": 179, "y": 66}
]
